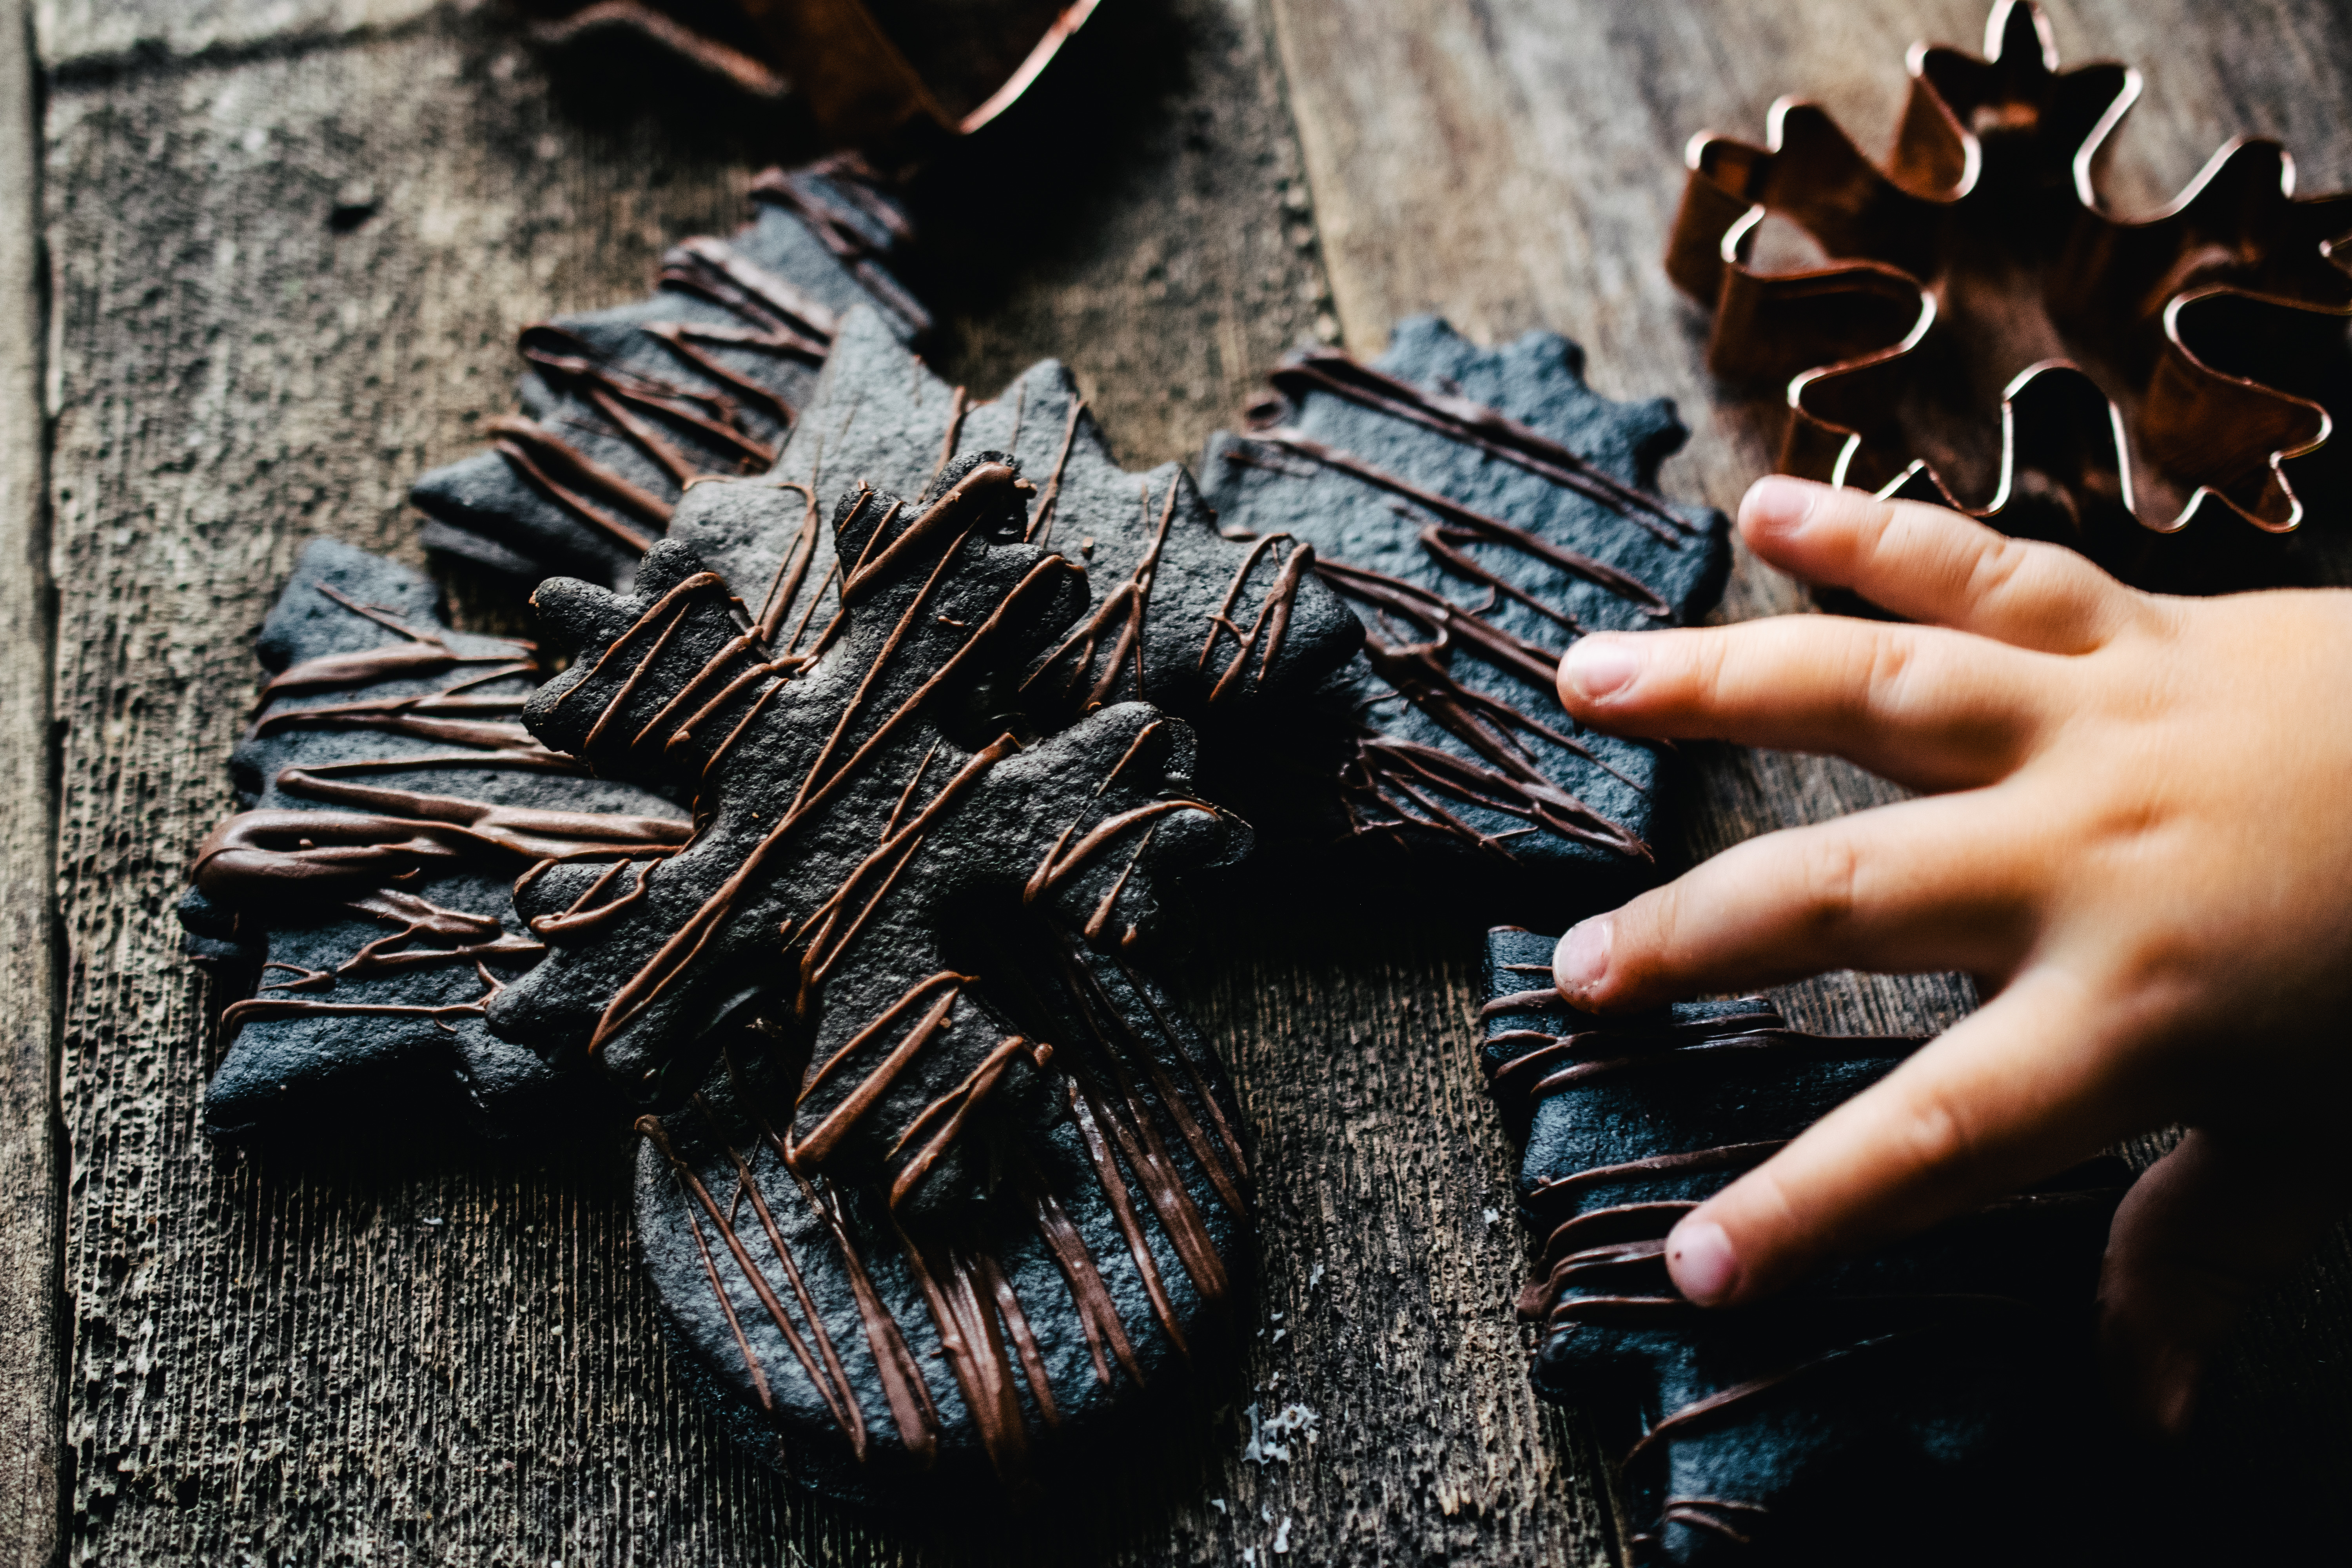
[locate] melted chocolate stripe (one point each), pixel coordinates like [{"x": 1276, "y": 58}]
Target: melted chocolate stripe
[
  {"x": 1098, "y": 1314},
  {"x": 981, "y": 1372},
  {"x": 1125, "y": 606},
  {"x": 839, "y": 1379},
  {"x": 1441, "y": 543},
  {"x": 785, "y": 585},
  {"x": 1728, "y": 1157},
  {"x": 629, "y": 684},
  {"x": 812, "y": 1151},
  {"x": 681, "y": 339},
  {"x": 1702, "y": 1410},
  {"x": 847, "y": 1419},
  {"x": 1017, "y": 1324},
  {"x": 1061, "y": 862},
  {"x": 399, "y": 662},
  {"x": 651, "y": 1128},
  {"x": 727, "y": 664},
  {"x": 1122, "y": 1203},
  {"x": 1100, "y": 919},
  {"x": 396, "y": 718},
  {"x": 1777, "y": 1041},
  {"x": 902, "y": 1380},
  {"x": 1138, "y": 1141},
  {"x": 1686, "y": 1513},
  {"x": 836, "y": 231},
  {"x": 1226, "y": 1139},
  {"x": 1487, "y": 429},
  {"x": 908, "y": 794},
  {"x": 1273, "y": 613},
  {"x": 584, "y": 913},
  {"x": 417, "y": 917},
  {"x": 309, "y": 979},
  {"x": 814, "y": 971},
  {"x": 1082, "y": 982},
  {"x": 715, "y": 271},
  {"x": 541, "y": 449},
  {"x": 670, "y": 605},
  {"x": 1576, "y": 563},
  {"x": 965, "y": 1098},
  {"x": 1041, "y": 522}
]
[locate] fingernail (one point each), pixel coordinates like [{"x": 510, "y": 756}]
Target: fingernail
[
  {"x": 1698, "y": 1255},
  {"x": 1777, "y": 504},
  {"x": 1598, "y": 666},
  {"x": 1581, "y": 958}
]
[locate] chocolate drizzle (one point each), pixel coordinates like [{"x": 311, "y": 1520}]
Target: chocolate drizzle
[
  {"x": 771, "y": 317},
  {"x": 836, "y": 221},
  {"x": 1474, "y": 424},
  {"x": 1632, "y": 1093},
  {"x": 1215, "y": 630},
  {"x": 272, "y": 861},
  {"x": 1391, "y": 785},
  {"x": 626, "y": 407},
  {"x": 1477, "y": 685},
  {"x": 832, "y": 819}
]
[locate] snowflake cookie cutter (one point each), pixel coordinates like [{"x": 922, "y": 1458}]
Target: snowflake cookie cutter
[{"x": 2143, "y": 370}]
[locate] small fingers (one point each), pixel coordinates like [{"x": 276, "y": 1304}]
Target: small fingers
[
  {"x": 2199, "y": 1234},
  {"x": 1937, "y": 566},
  {"x": 2012, "y": 1093},
  {"x": 1927, "y": 708},
  {"x": 1925, "y": 885}
]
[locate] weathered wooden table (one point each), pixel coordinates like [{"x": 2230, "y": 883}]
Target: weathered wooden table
[{"x": 409, "y": 1349}]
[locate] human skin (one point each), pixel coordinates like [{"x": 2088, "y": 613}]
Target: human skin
[{"x": 2133, "y": 828}]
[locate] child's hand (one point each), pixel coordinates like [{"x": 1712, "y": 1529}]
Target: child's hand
[{"x": 2137, "y": 835}]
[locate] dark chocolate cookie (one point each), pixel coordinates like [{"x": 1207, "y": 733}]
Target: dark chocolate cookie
[
  {"x": 1928, "y": 1402},
  {"x": 624, "y": 407},
  {"x": 932, "y": 1172},
  {"x": 1232, "y": 636},
  {"x": 1480, "y": 510},
  {"x": 392, "y": 798}
]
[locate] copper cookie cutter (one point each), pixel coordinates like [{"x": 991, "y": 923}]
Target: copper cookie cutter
[
  {"x": 2142, "y": 371},
  {"x": 854, "y": 76}
]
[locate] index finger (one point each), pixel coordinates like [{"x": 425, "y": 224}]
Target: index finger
[{"x": 1930, "y": 709}]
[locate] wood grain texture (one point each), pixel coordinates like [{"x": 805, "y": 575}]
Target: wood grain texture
[
  {"x": 401, "y": 1347},
  {"x": 87, "y": 36},
  {"x": 31, "y": 1303}
]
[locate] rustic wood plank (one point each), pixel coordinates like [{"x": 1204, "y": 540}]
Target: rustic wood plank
[
  {"x": 287, "y": 1358},
  {"x": 1513, "y": 164},
  {"x": 31, "y": 1304},
  {"x": 403, "y": 1345},
  {"x": 93, "y": 34}
]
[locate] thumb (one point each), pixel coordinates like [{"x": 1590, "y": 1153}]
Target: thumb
[{"x": 2200, "y": 1232}]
